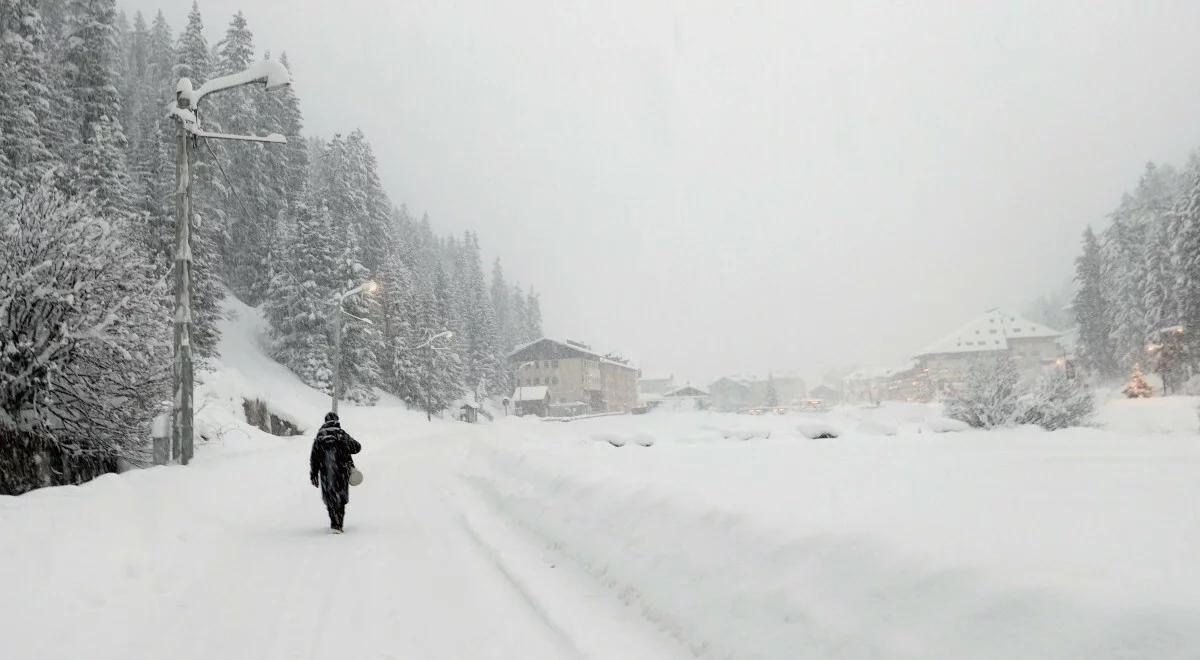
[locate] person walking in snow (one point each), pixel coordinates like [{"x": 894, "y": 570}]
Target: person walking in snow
[{"x": 329, "y": 465}]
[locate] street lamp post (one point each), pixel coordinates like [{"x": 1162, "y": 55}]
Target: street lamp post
[
  {"x": 275, "y": 76},
  {"x": 338, "y": 311}
]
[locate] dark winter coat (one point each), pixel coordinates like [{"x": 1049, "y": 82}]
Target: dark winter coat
[{"x": 331, "y": 461}]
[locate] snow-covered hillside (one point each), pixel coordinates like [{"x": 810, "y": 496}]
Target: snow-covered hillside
[{"x": 668, "y": 535}]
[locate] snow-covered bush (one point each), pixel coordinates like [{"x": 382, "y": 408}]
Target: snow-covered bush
[
  {"x": 1056, "y": 402},
  {"x": 989, "y": 397},
  {"x": 84, "y": 350}
]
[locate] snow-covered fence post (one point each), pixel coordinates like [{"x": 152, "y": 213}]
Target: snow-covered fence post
[
  {"x": 160, "y": 434},
  {"x": 275, "y": 76}
]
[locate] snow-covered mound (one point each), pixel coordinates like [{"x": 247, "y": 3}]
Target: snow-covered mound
[{"x": 1018, "y": 543}]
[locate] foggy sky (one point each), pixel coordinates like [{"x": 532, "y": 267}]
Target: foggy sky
[{"x": 716, "y": 187}]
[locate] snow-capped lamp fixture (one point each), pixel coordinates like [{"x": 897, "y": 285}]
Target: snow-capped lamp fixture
[{"x": 184, "y": 110}]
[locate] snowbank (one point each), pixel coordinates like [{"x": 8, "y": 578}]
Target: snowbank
[{"x": 1008, "y": 544}]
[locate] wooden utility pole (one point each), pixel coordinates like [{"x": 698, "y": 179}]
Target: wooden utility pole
[{"x": 181, "y": 430}]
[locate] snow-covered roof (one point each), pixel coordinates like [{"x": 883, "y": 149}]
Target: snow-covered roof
[
  {"x": 990, "y": 332},
  {"x": 879, "y": 373},
  {"x": 575, "y": 347},
  {"x": 686, "y": 390},
  {"x": 745, "y": 380},
  {"x": 530, "y": 393}
]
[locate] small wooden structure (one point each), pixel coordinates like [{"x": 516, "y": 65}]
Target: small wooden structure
[
  {"x": 469, "y": 413},
  {"x": 532, "y": 400}
]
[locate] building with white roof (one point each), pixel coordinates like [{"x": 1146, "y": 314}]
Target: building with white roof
[
  {"x": 1032, "y": 346},
  {"x": 742, "y": 390}
]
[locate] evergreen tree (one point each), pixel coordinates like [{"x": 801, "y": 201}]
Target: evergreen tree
[
  {"x": 533, "y": 317},
  {"x": 398, "y": 363},
  {"x": 360, "y": 339},
  {"x": 89, "y": 65},
  {"x": 24, "y": 96},
  {"x": 1185, "y": 221},
  {"x": 520, "y": 317},
  {"x": 772, "y": 393},
  {"x": 160, "y": 66},
  {"x": 299, "y": 303},
  {"x": 249, "y": 205},
  {"x": 1091, "y": 308},
  {"x": 290, "y": 123},
  {"x": 100, "y": 169},
  {"x": 192, "y": 59}
]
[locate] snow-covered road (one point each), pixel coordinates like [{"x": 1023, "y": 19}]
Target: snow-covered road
[
  {"x": 700, "y": 535},
  {"x": 231, "y": 558}
]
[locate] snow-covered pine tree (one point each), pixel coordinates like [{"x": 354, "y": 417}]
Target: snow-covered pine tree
[
  {"x": 152, "y": 174},
  {"x": 286, "y": 110},
  {"x": 1123, "y": 256},
  {"x": 501, "y": 304},
  {"x": 447, "y": 375},
  {"x": 772, "y": 393},
  {"x": 160, "y": 65},
  {"x": 192, "y": 59},
  {"x": 989, "y": 396},
  {"x": 89, "y": 65},
  {"x": 1091, "y": 309},
  {"x": 299, "y": 304},
  {"x": 398, "y": 364},
  {"x": 123, "y": 40},
  {"x": 373, "y": 217},
  {"x": 1158, "y": 288},
  {"x": 533, "y": 316},
  {"x": 152, "y": 161},
  {"x": 25, "y": 96},
  {"x": 250, "y": 203},
  {"x": 483, "y": 370},
  {"x": 360, "y": 339},
  {"x": 518, "y": 328},
  {"x": 1185, "y": 221},
  {"x": 85, "y": 352}
]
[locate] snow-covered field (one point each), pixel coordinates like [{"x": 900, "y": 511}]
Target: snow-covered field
[{"x": 668, "y": 535}]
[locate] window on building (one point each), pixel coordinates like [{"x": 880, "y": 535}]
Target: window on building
[
  {"x": 555, "y": 363},
  {"x": 555, "y": 379},
  {"x": 546, "y": 364},
  {"x": 537, "y": 381}
]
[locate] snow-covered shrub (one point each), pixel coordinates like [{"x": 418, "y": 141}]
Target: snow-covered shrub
[
  {"x": 84, "y": 353},
  {"x": 989, "y": 397},
  {"x": 1057, "y": 401}
]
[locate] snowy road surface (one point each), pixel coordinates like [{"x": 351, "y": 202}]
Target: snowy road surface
[
  {"x": 231, "y": 558},
  {"x": 670, "y": 535}
]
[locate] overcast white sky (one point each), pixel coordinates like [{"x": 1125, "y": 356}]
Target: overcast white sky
[{"x": 714, "y": 187}]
